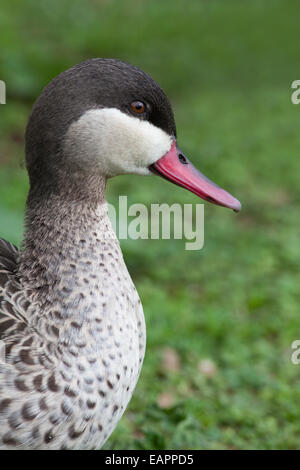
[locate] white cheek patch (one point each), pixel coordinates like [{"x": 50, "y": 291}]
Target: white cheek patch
[{"x": 115, "y": 142}]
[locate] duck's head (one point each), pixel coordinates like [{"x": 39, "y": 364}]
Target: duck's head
[{"x": 107, "y": 117}]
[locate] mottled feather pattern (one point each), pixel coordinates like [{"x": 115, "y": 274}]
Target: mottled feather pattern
[
  {"x": 11, "y": 296},
  {"x": 77, "y": 342}
]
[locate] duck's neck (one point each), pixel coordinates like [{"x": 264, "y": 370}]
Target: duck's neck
[
  {"x": 81, "y": 297},
  {"x": 66, "y": 232}
]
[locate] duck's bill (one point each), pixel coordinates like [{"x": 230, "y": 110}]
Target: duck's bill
[{"x": 175, "y": 167}]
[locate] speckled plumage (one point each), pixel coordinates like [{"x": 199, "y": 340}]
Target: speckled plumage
[{"x": 76, "y": 341}]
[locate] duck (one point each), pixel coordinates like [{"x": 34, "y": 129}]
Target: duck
[{"x": 72, "y": 326}]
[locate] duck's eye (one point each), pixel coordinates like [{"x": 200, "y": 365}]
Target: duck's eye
[{"x": 138, "y": 107}]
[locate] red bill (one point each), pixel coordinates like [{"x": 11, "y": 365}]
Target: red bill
[{"x": 175, "y": 167}]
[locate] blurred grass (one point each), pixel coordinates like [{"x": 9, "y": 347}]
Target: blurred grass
[{"x": 227, "y": 67}]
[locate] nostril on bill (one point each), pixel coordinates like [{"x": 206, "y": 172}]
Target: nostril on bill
[{"x": 182, "y": 159}]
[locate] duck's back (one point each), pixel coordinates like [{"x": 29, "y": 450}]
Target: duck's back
[{"x": 8, "y": 265}]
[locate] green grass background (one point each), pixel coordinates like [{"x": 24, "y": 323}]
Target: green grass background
[{"x": 227, "y": 67}]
